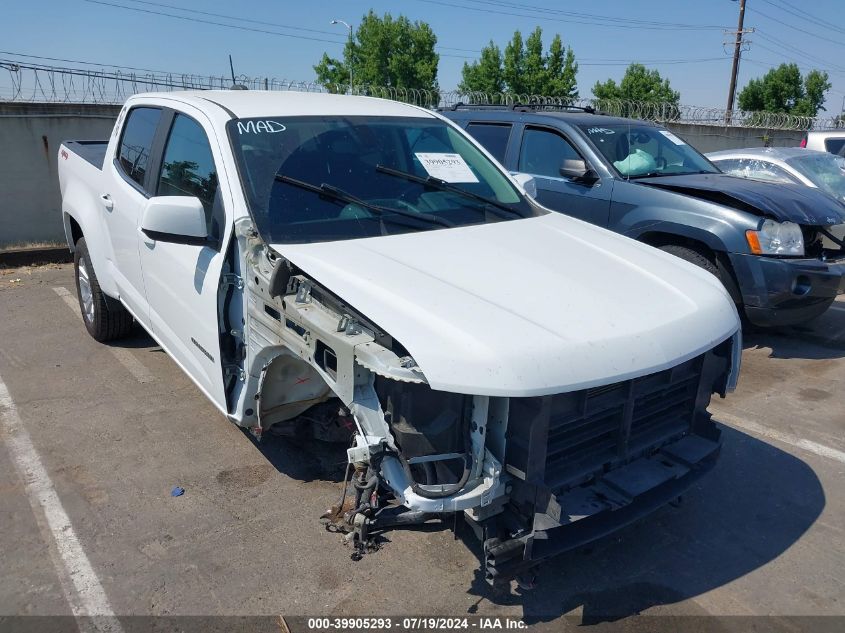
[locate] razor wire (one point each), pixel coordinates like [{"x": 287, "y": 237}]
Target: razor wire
[{"x": 38, "y": 83}]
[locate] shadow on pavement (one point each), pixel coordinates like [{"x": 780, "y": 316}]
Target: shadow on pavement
[
  {"x": 137, "y": 339},
  {"x": 303, "y": 460},
  {"x": 821, "y": 338},
  {"x": 751, "y": 508}
]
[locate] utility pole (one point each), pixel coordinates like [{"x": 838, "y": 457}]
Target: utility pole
[{"x": 737, "y": 54}]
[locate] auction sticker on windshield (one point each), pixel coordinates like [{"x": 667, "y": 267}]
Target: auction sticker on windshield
[{"x": 446, "y": 167}]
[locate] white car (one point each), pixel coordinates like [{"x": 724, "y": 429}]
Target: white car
[
  {"x": 820, "y": 170},
  {"x": 358, "y": 267},
  {"x": 832, "y": 141}
]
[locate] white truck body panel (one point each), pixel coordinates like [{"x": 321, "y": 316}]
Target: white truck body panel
[{"x": 526, "y": 308}]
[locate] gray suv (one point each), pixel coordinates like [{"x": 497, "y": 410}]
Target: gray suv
[{"x": 777, "y": 248}]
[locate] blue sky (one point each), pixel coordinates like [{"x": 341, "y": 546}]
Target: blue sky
[{"x": 695, "y": 60}]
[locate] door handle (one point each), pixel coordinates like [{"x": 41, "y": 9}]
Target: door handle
[{"x": 108, "y": 203}]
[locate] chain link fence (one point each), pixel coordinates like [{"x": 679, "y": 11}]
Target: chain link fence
[{"x": 29, "y": 82}]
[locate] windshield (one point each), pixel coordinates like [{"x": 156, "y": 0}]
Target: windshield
[
  {"x": 636, "y": 150},
  {"x": 324, "y": 178},
  {"x": 824, "y": 170}
]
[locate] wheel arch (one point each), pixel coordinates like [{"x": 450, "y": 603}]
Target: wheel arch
[{"x": 718, "y": 256}]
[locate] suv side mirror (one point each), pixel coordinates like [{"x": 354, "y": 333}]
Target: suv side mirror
[
  {"x": 176, "y": 219},
  {"x": 576, "y": 169}
]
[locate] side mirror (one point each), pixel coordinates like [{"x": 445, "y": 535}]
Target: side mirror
[
  {"x": 527, "y": 182},
  {"x": 176, "y": 219},
  {"x": 576, "y": 169}
]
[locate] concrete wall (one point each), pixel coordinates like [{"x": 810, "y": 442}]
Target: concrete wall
[
  {"x": 712, "y": 138},
  {"x": 30, "y": 134}
]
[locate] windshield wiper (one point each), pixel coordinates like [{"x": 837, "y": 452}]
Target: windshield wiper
[
  {"x": 442, "y": 185},
  {"x": 334, "y": 193}
]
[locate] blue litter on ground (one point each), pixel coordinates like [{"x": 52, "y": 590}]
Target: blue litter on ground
[{"x": 177, "y": 491}]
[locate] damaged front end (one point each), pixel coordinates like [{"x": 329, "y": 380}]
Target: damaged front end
[
  {"x": 308, "y": 356},
  {"x": 533, "y": 476}
]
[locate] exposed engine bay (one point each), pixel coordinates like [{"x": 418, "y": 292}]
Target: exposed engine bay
[{"x": 532, "y": 476}]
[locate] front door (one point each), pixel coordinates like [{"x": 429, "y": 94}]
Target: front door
[
  {"x": 182, "y": 280},
  {"x": 541, "y": 155}
]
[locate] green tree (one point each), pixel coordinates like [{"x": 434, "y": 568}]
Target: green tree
[
  {"x": 638, "y": 84},
  {"x": 784, "y": 90},
  {"x": 524, "y": 68},
  {"x": 484, "y": 75},
  {"x": 385, "y": 52}
]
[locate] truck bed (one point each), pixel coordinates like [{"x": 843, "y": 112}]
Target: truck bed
[{"x": 92, "y": 151}]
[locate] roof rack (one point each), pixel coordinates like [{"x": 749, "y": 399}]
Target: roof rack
[{"x": 523, "y": 107}]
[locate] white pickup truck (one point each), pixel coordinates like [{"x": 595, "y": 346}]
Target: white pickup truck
[{"x": 358, "y": 267}]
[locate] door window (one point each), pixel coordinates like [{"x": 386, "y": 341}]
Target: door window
[
  {"x": 543, "y": 152},
  {"x": 138, "y": 133},
  {"x": 493, "y": 136},
  {"x": 187, "y": 168}
]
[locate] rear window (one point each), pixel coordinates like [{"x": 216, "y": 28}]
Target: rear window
[
  {"x": 835, "y": 145},
  {"x": 493, "y": 136},
  {"x": 135, "y": 143}
]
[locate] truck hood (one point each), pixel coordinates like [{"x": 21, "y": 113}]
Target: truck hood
[
  {"x": 781, "y": 201},
  {"x": 526, "y": 307}
]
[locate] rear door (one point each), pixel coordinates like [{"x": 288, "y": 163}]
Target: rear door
[
  {"x": 541, "y": 154},
  {"x": 126, "y": 193},
  {"x": 182, "y": 280}
]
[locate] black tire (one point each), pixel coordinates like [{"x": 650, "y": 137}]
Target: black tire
[
  {"x": 693, "y": 257},
  {"x": 105, "y": 318}
]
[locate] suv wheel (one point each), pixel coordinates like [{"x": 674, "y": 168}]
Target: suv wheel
[{"x": 693, "y": 257}]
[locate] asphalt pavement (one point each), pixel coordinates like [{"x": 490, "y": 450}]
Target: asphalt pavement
[{"x": 104, "y": 432}]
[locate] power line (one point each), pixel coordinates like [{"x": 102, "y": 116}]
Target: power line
[
  {"x": 230, "y": 17},
  {"x": 797, "y": 28},
  {"x": 628, "y": 62},
  {"x": 575, "y": 18},
  {"x": 797, "y": 51},
  {"x": 804, "y": 15},
  {"x": 77, "y": 61},
  {"x": 231, "y": 26},
  {"x": 239, "y": 27},
  {"x": 589, "y": 16}
]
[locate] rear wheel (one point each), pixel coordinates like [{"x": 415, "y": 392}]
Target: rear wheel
[{"x": 105, "y": 318}]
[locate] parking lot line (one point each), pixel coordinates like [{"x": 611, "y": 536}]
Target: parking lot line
[
  {"x": 124, "y": 356},
  {"x": 780, "y": 436},
  {"x": 82, "y": 588}
]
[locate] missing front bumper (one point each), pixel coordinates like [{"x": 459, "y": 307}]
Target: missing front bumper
[{"x": 593, "y": 511}]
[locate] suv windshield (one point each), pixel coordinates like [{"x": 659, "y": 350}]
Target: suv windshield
[
  {"x": 312, "y": 179},
  {"x": 824, "y": 170},
  {"x": 636, "y": 150}
]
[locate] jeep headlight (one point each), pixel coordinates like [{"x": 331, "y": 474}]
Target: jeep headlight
[{"x": 776, "y": 238}]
